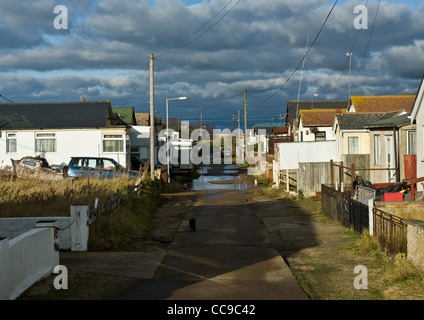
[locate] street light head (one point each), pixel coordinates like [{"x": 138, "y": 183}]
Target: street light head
[
  {"x": 315, "y": 95},
  {"x": 182, "y": 98}
]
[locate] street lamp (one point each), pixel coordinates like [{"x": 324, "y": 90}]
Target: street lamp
[
  {"x": 167, "y": 130},
  {"x": 314, "y": 95}
]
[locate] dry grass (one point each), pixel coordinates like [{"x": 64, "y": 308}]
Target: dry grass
[{"x": 29, "y": 198}]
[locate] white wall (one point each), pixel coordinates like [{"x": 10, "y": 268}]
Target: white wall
[
  {"x": 26, "y": 259},
  {"x": 291, "y": 153},
  {"x": 69, "y": 143},
  {"x": 307, "y": 135}
]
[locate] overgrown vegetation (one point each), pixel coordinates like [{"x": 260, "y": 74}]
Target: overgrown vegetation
[
  {"x": 115, "y": 231},
  {"x": 34, "y": 198},
  {"x": 128, "y": 226},
  {"x": 398, "y": 278}
]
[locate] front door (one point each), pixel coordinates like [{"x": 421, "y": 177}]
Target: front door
[{"x": 389, "y": 158}]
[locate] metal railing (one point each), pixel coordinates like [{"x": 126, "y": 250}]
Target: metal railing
[{"x": 390, "y": 230}]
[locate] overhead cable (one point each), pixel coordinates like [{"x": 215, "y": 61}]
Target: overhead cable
[
  {"x": 300, "y": 63},
  {"x": 187, "y": 40}
]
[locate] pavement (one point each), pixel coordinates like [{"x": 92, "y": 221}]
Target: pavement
[{"x": 228, "y": 257}]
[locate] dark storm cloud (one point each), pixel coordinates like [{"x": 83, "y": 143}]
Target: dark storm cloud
[{"x": 256, "y": 47}]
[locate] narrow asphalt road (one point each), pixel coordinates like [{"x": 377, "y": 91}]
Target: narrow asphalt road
[{"x": 228, "y": 257}]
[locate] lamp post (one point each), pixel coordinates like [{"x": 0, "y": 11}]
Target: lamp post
[
  {"x": 167, "y": 130},
  {"x": 314, "y": 95}
]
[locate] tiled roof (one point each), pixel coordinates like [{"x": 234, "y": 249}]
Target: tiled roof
[
  {"x": 356, "y": 121},
  {"x": 280, "y": 130},
  {"x": 21, "y": 116},
  {"x": 142, "y": 119},
  {"x": 383, "y": 103},
  {"x": 307, "y": 105},
  {"x": 319, "y": 118},
  {"x": 390, "y": 120}
]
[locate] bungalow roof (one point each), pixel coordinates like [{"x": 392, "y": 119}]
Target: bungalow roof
[
  {"x": 21, "y": 116},
  {"x": 393, "y": 119},
  {"x": 307, "y": 105},
  {"x": 319, "y": 117},
  {"x": 382, "y": 103},
  {"x": 356, "y": 121},
  {"x": 142, "y": 119}
]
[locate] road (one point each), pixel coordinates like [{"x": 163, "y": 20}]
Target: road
[{"x": 228, "y": 257}]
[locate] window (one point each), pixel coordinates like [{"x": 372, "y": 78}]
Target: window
[
  {"x": 353, "y": 145},
  {"x": 113, "y": 143},
  {"x": 45, "y": 142},
  {"x": 377, "y": 149},
  {"x": 320, "y": 136},
  {"x": 11, "y": 143},
  {"x": 412, "y": 142}
]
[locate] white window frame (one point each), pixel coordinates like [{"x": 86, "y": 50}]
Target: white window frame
[
  {"x": 377, "y": 149},
  {"x": 114, "y": 137},
  {"x": 10, "y": 138},
  {"x": 45, "y": 136},
  {"x": 359, "y": 146},
  {"x": 408, "y": 139}
]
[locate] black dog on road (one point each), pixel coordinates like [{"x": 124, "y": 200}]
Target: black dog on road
[{"x": 192, "y": 224}]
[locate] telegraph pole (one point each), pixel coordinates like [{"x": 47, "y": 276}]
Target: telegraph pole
[
  {"x": 245, "y": 122},
  {"x": 152, "y": 120}
]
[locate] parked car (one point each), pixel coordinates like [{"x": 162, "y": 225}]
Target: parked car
[
  {"x": 137, "y": 163},
  {"x": 104, "y": 168}
]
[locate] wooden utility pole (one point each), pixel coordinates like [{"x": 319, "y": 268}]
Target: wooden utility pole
[
  {"x": 245, "y": 122},
  {"x": 152, "y": 120}
]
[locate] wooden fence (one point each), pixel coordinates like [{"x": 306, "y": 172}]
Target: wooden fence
[{"x": 111, "y": 204}]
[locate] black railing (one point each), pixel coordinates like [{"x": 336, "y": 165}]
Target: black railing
[{"x": 390, "y": 230}]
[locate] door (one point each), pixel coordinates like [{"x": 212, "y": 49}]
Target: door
[{"x": 389, "y": 158}]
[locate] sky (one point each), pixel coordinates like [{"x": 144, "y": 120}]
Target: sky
[{"x": 210, "y": 52}]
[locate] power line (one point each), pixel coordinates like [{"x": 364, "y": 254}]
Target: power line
[
  {"x": 138, "y": 84},
  {"x": 8, "y": 100},
  {"x": 187, "y": 40},
  {"x": 369, "y": 40},
  {"x": 304, "y": 56}
]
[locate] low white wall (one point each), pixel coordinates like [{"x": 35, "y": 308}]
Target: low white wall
[
  {"x": 72, "y": 232},
  {"x": 27, "y": 258},
  {"x": 14, "y": 227}
]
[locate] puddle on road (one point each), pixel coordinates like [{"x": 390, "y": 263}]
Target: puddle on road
[{"x": 206, "y": 182}]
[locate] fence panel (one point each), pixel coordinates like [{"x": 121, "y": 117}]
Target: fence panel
[
  {"x": 333, "y": 204},
  {"x": 359, "y": 216},
  {"x": 391, "y": 231}
]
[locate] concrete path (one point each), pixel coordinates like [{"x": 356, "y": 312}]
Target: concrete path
[{"x": 228, "y": 257}]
